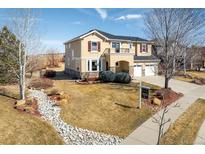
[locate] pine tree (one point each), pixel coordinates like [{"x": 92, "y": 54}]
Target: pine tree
[{"x": 8, "y": 56}]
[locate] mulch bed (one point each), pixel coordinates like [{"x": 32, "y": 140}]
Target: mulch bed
[
  {"x": 55, "y": 98},
  {"x": 86, "y": 82},
  {"x": 167, "y": 97}
]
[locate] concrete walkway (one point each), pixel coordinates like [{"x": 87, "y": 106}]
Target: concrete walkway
[
  {"x": 200, "y": 139},
  {"x": 147, "y": 133}
]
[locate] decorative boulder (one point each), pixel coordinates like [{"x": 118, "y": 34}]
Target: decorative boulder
[
  {"x": 122, "y": 77},
  {"x": 107, "y": 76},
  {"x": 157, "y": 101}
]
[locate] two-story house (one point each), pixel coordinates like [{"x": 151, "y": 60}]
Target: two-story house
[{"x": 96, "y": 51}]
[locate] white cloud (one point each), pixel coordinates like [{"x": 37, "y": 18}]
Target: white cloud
[
  {"x": 129, "y": 17},
  {"x": 102, "y": 13}
]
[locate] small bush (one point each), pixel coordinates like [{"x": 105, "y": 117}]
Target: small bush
[
  {"x": 53, "y": 92},
  {"x": 122, "y": 77},
  {"x": 41, "y": 83},
  {"x": 50, "y": 73},
  {"x": 107, "y": 76}
]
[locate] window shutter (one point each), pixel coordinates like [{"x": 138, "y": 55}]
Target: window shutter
[
  {"x": 89, "y": 45},
  {"x": 146, "y": 47},
  {"x": 140, "y": 47},
  {"x": 99, "y": 46}
]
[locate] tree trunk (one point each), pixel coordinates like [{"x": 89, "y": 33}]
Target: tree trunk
[
  {"x": 22, "y": 67},
  {"x": 185, "y": 63},
  {"x": 166, "y": 84},
  {"x": 22, "y": 84}
]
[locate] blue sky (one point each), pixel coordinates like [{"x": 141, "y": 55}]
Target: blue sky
[{"x": 59, "y": 25}]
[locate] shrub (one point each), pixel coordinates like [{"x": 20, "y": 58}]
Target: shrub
[
  {"x": 41, "y": 83},
  {"x": 107, "y": 76},
  {"x": 50, "y": 73},
  {"x": 53, "y": 92},
  {"x": 122, "y": 77}
]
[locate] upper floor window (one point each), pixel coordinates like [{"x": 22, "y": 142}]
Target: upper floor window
[
  {"x": 143, "y": 48},
  {"x": 130, "y": 45},
  {"x": 116, "y": 45},
  {"x": 93, "y": 46}
]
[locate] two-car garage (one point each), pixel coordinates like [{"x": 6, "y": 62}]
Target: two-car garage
[{"x": 144, "y": 70}]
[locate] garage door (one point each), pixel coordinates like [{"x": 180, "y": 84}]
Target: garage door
[
  {"x": 149, "y": 70},
  {"x": 137, "y": 70}
]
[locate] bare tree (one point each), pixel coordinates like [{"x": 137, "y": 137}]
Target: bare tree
[
  {"x": 52, "y": 58},
  {"x": 33, "y": 64},
  {"x": 162, "y": 120},
  {"x": 173, "y": 30},
  {"x": 23, "y": 24}
]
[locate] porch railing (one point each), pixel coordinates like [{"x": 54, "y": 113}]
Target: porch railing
[{"x": 119, "y": 50}]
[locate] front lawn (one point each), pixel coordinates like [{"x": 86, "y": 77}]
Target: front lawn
[
  {"x": 185, "y": 128},
  {"x": 109, "y": 108},
  {"x": 22, "y": 128},
  {"x": 193, "y": 74}
]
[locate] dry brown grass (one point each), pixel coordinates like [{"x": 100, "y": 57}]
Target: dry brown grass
[
  {"x": 10, "y": 91},
  {"x": 20, "y": 128},
  {"x": 108, "y": 108},
  {"x": 197, "y": 74},
  {"x": 185, "y": 129},
  {"x": 181, "y": 78},
  {"x": 193, "y": 74}
]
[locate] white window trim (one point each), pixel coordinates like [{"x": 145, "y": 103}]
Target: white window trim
[
  {"x": 115, "y": 42},
  {"x": 94, "y": 51},
  {"x": 90, "y": 65},
  {"x": 130, "y": 45}
]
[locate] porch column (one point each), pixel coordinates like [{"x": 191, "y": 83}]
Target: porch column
[{"x": 131, "y": 71}]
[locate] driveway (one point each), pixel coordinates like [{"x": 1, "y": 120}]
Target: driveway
[
  {"x": 176, "y": 85},
  {"x": 147, "y": 133}
]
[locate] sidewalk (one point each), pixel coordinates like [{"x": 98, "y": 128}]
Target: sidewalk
[
  {"x": 147, "y": 133},
  {"x": 200, "y": 139}
]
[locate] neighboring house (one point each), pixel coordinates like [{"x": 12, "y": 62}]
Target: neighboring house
[{"x": 96, "y": 51}]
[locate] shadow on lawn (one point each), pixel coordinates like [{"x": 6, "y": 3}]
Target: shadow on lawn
[
  {"x": 60, "y": 75},
  {"x": 125, "y": 106},
  {"x": 9, "y": 96}
]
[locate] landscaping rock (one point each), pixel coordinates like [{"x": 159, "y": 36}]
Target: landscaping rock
[
  {"x": 20, "y": 102},
  {"x": 157, "y": 101},
  {"x": 69, "y": 133}
]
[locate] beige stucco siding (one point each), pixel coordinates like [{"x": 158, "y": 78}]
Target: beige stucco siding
[
  {"x": 72, "y": 55},
  {"x": 121, "y": 57},
  {"x": 138, "y": 53},
  {"x": 85, "y": 54},
  {"x": 94, "y": 37}
]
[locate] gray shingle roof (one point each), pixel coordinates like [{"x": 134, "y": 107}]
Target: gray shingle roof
[
  {"x": 113, "y": 37},
  {"x": 110, "y": 36},
  {"x": 146, "y": 58}
]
